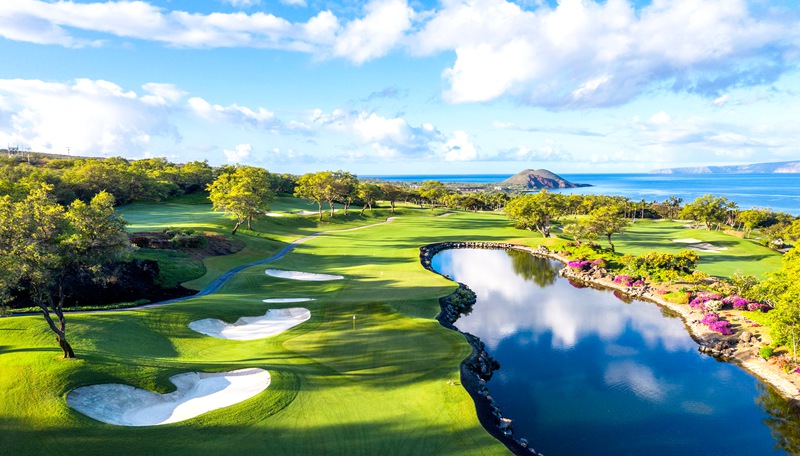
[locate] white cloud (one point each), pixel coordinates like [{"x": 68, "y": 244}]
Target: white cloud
[
  {"x": 584, "y": 53},
  {"x": 390, "y": 137},
  {"x": 459, "y": 148},
  {"x": 239, "y": 153},
  {"x": 87, "y": 116},
  {"x": 374, "y": 35},
  {"x": 260, "y": 118}
]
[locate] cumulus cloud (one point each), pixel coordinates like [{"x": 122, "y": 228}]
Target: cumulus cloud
[
  {"x": 573, "y": 55},
  {"x": 582, "y": 54},
  {"x": 239, "y": 153},
  {"x": 374, "y": 35},
  {"x": 389, "y": 137},
  {"x": 87, "y": 116},
  {"x": 459, "y": 148},
  {"x": 234, "y": 114},
  {"x": 63, "y": 23}
]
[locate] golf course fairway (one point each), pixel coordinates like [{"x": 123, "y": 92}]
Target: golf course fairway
[{"x": 390, "y": 386}]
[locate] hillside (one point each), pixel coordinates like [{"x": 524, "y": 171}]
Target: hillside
[
  {"x": 539, "y": 178},
  {"x": 756, "y": 168}
]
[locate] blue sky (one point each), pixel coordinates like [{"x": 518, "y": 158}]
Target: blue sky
[{"x": 405, "y": 87}]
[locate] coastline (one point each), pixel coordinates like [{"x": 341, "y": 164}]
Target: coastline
[{"x": 725, "y": 348}]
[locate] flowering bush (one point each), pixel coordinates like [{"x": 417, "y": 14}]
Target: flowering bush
[
  {"x": 715, "y": 323},
  {"x": 579, "y": 265},
  {"x": 624, "y": 279},
  {"x": 699, "y": 302},
  {"x": 713, "y": 305},
  {"x": 709, "y": 319},
  {"x": 662, "y": 291},
  {"x": 736, "y": 302},
  {"x": 638, "y": 283},
  {"x": 600, "y": 263},
  {"x": 722, "y": 326}
]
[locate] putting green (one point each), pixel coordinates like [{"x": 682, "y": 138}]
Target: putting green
[{"x": 384, "y": 388}]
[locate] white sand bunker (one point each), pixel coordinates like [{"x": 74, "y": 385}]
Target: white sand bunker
[
  {"x": 297, "y": 275},
  {"x": 197, "y": 393},
  {"x": 286, "y": 300},
  {"x": 697, "y": 244},
  {"x": 275, "y": 321},
  {"x": 274, "y": 214}
]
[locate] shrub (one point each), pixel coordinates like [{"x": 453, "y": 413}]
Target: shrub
[
  {"x": 722, "y": 326},
  {"x": 714, "y": 305},
  {"x": 678, "y": 297},
  {"x": 140, "y": 241},
  {"x": 710, "y": 318},
  {"x": 579, "y": 265}
]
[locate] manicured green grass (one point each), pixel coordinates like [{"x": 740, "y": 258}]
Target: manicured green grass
[
  {"x": 741, "y": 255},
  {"x": 380, "y": 389}
]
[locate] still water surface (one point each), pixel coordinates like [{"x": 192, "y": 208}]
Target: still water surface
[{"x": 585, "y": 373}]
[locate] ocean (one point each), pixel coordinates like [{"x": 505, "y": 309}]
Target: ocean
[{"x": 779, "y": 192}]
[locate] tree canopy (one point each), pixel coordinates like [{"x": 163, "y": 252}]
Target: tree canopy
[{"x": 244, "y": 193}]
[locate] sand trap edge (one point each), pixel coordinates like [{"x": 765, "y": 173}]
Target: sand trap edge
[
  {"x": 298, "y": 275},
  {"x": 272, "y": 323},
  {"x": 197, "y": 393}
]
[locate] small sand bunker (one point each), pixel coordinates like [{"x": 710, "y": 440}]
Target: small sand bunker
[
  {"x": 197, "y": 393},
  {"x": 286, "y": 300},
  {"x": 297, "y": 275},
  {"x": 274, "y": 214},
  {"x": 275, "y": 321},
  {"x": 697, "y": 244}
]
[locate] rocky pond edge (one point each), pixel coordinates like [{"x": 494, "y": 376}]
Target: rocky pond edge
[{"x": 477, "y": 368}]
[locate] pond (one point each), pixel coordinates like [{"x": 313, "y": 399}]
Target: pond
[{"x": 586, "y": 373}]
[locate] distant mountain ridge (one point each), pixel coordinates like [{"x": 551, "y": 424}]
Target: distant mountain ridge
[
  {"x": 788, "y": 167},
  {"x": 539, "y": 178}
]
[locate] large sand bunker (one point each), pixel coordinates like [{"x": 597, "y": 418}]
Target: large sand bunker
[
  {"x": 297, "y": 275},
  {"x": 275, "y": 321},
  {"x": 197, "y": 393}
]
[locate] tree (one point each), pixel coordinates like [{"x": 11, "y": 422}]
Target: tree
[
  {"x": 578, "y": 231},
  {"x": 368, "y": 193},
  {"x": 344, "y": 189},
  {"x": 674, "y": 205},
  {"x": 42, "y": 244},
  {"x": 751, "y": 219},
  {"x": 606, "y": 221},
  {"x": 244, "y": 193},
  {"x": 316, "y": 187},
  {"x": 534, "y": 211},
  {"x": 782, "y": 290},
  {"x": 392, "y": 193},
  {"x": 433, "y": 191},
  {"x": 708, "y": 209}
]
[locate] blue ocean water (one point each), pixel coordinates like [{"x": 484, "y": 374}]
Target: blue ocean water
[{"x": 779, "y": 192}]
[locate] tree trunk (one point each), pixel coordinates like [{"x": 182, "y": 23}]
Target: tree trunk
[
  {"x": 346, "y": 205},
  {"x": 249, "y": 219},
  {"x": 610, "y": 243},
  {"x": 235, "y": 228},
  {"x": 65, "y": 347},
  {"x": 363, "y": 209},
  {"x": 391, "y": 203},
  {"x": 330, "y": 203},
  {"x": 545, "y": 232}
]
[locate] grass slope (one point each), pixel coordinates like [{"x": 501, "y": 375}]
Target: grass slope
[{"x": 380, "y": 389}]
